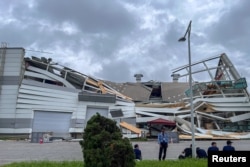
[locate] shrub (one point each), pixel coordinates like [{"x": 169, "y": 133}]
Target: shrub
[{"x": 103, "y": 145}]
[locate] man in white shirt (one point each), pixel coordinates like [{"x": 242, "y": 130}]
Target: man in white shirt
[{"x": 163, "y": 143}]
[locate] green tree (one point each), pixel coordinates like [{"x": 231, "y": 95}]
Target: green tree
[{"x": 103, "y": 145}]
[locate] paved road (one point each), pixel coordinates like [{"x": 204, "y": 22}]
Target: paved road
[{"x": 16, "y": 151}]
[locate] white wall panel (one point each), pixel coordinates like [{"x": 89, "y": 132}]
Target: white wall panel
[
  {"x": 48, "y": 103},
  {"x": 79, "y": 114},
  {"x": 9, "y": 87},
  {"x": 49, "y": 94},
  {"x": 62, "y": 102},
  {"x": 44, "y": 107},
  {"x": 8, "y": 97},
  {"x": 13, "y": 59},
  {"x": 9, "y": 90},
  {"x": 76, "y": 130},
  {"x": 47, "y": 90},
  {"x": 80, "y": 110},
  {"x": 13, "y": 66},
  {"x": 13, "y": 51},
  {"x": 7, "y": 108},
  {"x": 13, "y": 62},
  {"x": 42, "y": 98},
  {"x": 24, "y": 115},
  {"x": 7, "y": 114},
  {"x": 7, "y": 130},
  {"x": 24, "y": 111},
  {"x": 17, "y": 131},
  {"x": 11, "y": 73},
  {"x": 10, "y": 102},
  {"x": 23, "y": 130}
]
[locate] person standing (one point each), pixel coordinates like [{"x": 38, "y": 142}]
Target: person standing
[
  {"x": 213, "y": 147},
  {"x": 137, "y": 152},
  {"x": 163, "y": 143},
  {"x": 229, "y": 146}
]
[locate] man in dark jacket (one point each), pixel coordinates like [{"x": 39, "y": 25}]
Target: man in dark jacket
[
  {"x": 201, "y": 153},
  {"x": 186, "y": 153},
  {"x": 213, "y": 147},
  {"x": 137, "y": 152},
  {"x": 229, "y": 146}
]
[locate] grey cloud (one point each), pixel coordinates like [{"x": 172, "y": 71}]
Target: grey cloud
[
  {"x": 232, "y": 29},
  {"x": 25, "y": 37},
  {"x": 92, "y": 16},
  {"x": 121, "y": 71},
  {"x": 103, "y": 46},
  {"x": 108, "y": 31},
  {"x": 175, "y": 31},
  {"x": 118, "y": 71},
  {"x": 232, "y": 33},
  {"x": 157, "y": 4}
]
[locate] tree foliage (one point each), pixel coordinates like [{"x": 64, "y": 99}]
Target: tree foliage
[{"x": 103, "y": 145}]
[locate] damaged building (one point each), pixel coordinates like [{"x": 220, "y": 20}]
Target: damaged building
[{"x": 38, "y": 95}]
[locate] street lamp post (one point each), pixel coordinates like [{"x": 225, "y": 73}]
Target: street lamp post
[{"x": 183, "y": 39}]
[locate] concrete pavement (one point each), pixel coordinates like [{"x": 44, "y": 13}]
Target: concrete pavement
[{"x": 16, "y": 151}]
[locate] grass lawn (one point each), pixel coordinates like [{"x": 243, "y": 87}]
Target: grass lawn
[{"x": 144, "y": 163}]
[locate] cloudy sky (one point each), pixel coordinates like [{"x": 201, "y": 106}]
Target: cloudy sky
[{"x": 114, "y": 39}]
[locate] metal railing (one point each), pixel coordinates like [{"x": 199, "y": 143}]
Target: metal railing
[{"x": 220, "y": 88}]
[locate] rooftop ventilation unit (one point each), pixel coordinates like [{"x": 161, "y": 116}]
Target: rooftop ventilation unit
[{"x": 138, "y": 77}]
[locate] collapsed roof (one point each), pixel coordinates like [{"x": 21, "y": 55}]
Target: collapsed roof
[{"x": 221, "y": 104}]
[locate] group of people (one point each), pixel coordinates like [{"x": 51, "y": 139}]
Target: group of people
[
  {"x": 227, "y": 147},
  {"x": 201, "y": 153},
  {"x": 187, "y": 152},
  {"x": 163, "y": 144}
]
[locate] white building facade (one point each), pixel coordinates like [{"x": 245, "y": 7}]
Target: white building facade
[
  {"x": 35, "y": 96},
  {"x": 39, "y": 96}
]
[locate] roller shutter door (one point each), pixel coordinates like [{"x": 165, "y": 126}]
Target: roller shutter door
[{"x": 56, "y": 122}]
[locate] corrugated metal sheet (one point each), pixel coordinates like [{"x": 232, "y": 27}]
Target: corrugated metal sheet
[
  {"x": 137, "y": 91},
  {"x": 173, "y": 92},
  {"x": 130, "y": 127}
]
